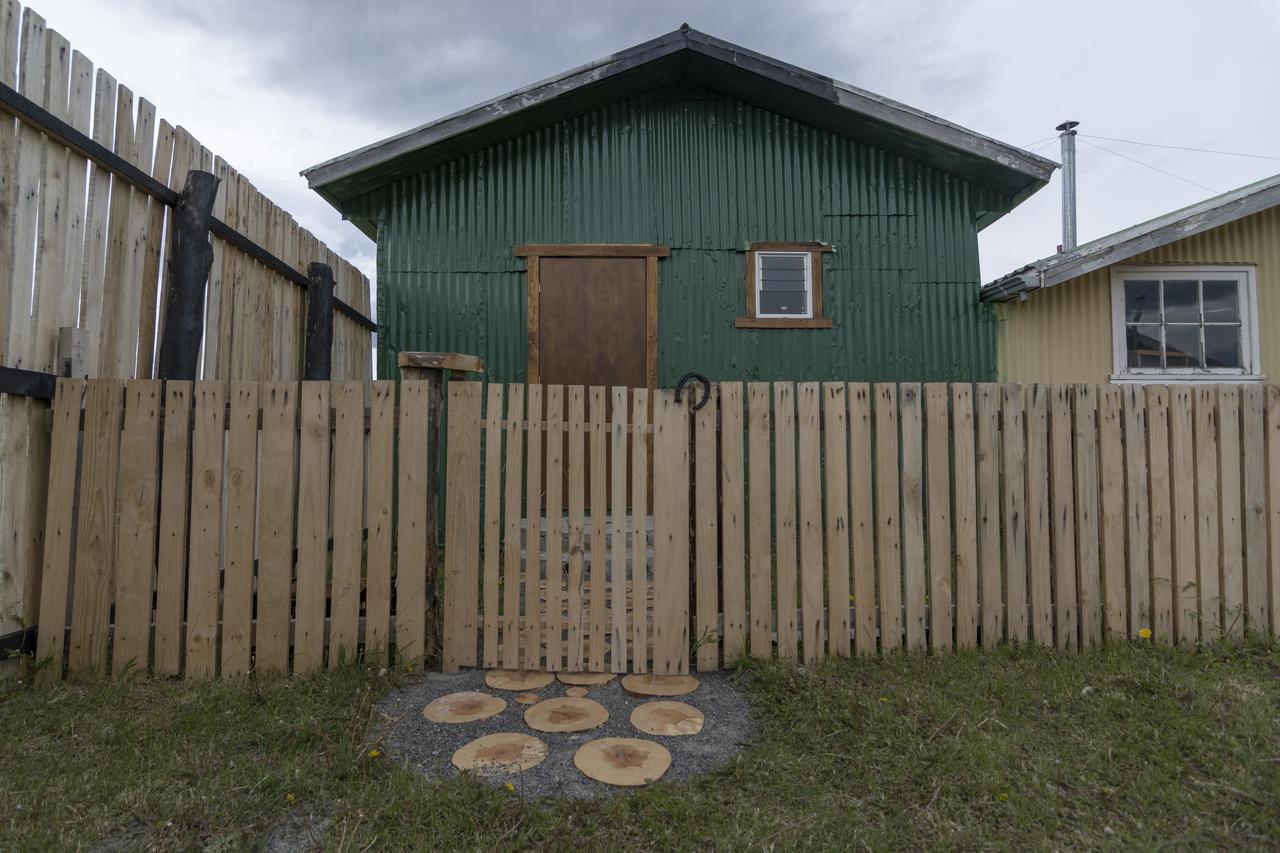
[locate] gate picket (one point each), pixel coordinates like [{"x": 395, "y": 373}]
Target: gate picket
[
  {"x": 809, "y": 481},
  {"x": 760, "y": 496},
  {"x": 670, "y": 535},
  {"x": 462, "y": 526},
  {"x": 834, "y": 416},
  {"x": 706, "y": 543}
]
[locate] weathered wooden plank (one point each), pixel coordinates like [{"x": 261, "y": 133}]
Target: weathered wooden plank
[
  {"x": 1039, "y": 515},
  {"x": 136, "y": 529},
  {"x": 641, "y": 613},
  {"x": 1207, "y": 530},
  {"x": 1186, "y": 608},
  {"x": 1137, "y": 508},
  {"x": 242, "y": 506},
  {"x": 1112, "y": 468},
  {"x": 97, "y": 227},
  {"x": 313, "y": 525},
  {"x": 988, "y": 462},
  {"x": 1273, "y": 503},
  {"x": 760, "y": 495},
  {"x": 938, "y": 509},
  {"x": 888, "y": 515},
  {"x": 597, "y": 589},
  {"x": 279, "y": 478},
  {"x": 1158, "y": 485},
  {"x": 512, "y": 514},
  {"x": 532, "y": 598},
  {"x": 914, "y": 571},
  {"x": 379, "y": 506},
  {"x": 1065, "y": 606},
  {"x": 412, "y": 532},
  {"x": 1087, "y": 542},
  {"x": 347, "y": 519},
  {"x": 809, "y": 482},
  {"x": 206, "y": 528},
  {"x": 670, "y": 535},
  {"x": 618, "y": 530},
  {"x": 862, "y": 518},
  {"x": 59, "y": 524},
  {"x": 555, "y": 518},
  {"x": 171, "y": 557},
  {"x": 706, "y": 529},
  {"x": 462, "y": 527},
  {"x": 733, "y": 558},
  {"x": 491, "y": 617},
  {"x": 784, "y": 497},
  {"x": 1014, "y": 449},
  {"x": 1253, "y": 405},
  {"x": 835, "y": 414},
  {"x": 1232, "y": 553},
  {"x": 575, "y": 432},
  {"x": 966, "y": 521}
]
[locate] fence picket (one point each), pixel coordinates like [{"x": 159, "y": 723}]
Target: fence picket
[
  {"x": 1112, "y": 470},
  {"x": 1232, "y": 542},
  {"x": 641, "y": 610},
  {"x": 1040, "y": 579},
  {"x": 1066, "y": 613},
  {"x": 555, "y": 520},
  {"x": 1086, "y": 497},
  {"x": 280, "y": 446},
  {"x": 598, "y": 565},
  {"x": 888, "y": 518},
  {"x": 313, "y": 526},
  {"x": 1158, "y": 481},
  {"x": 493, "y": 522},
  {"x": 171, "y": 556},
  {"x": 913, "y": 512},
  {"x": 412, "y": 533},
  {"x": 1013, "y": 447},
  {"x": 966, "y": 523},
  {"x": 1255, "y": 508},
  {"x": 1186, "y": 616},
  {"x": 784, "y": 507},
  {"x": 576, "y": 433},
  {"x": 242, "y": 481},
  {"x": 1273, "y": 503},
  {"x": 706, "y": 541},
  {"x": 835, "y": 411},
  {"x": 991, "y": 582},
  {"x": 1137, "y": 509},
  {"x": 809, "y": 482},
  {"x": 760, "y": 494},
  {"x": 347, "y": 519},
  {"x": 938, "y": 498},
  {"x": 862, "y": 518},
  {"x": 59, "y": 525},
  {"x": 1206, "y": 443},
  {"x": 135, "y": 558},
  {"x": 462, "y": 527},
  {"x": 512, "y": 515},
  {"x": 532, "y": 625},
  {"x": 670, "y": 535},
  {"x": 618, "y": 530},
  {"x": 379, "y": 506},
  {"x": 733, "y": 549},
  {"x": 206, "y": 528}
]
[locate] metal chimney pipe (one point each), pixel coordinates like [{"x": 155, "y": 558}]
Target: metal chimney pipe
[{"x": 1068, "y": 140}]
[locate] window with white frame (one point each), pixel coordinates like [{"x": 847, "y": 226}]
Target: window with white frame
[
  {"x": 784, "y": 284},
  {"x": 1183, "y": 322}
]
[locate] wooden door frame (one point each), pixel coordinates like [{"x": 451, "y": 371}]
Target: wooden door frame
[{"x": 535, "y": 252}]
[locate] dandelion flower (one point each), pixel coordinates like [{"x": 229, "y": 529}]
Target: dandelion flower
[
  {"x": 510, "y": 787},
  {"x": 1002, "y": 796},
  {"x": 289, "y": 796},
  {"x": 373, "y": 753},
  {"x": 884, "y": 698},
  {"x": 1145, "y": 633}
]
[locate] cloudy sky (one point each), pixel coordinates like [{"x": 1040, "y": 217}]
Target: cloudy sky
[{"x": 278, "y": 85}]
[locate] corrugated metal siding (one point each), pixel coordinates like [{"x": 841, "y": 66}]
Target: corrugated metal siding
[
  {"x": 704, "y": 175},
  {"x": 1063, "y": 334}
]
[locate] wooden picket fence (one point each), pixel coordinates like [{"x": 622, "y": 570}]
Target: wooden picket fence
[{"x": 826, "y": 519}]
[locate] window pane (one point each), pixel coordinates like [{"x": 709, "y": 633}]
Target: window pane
[
  {"x": 1221, "y": 302},
  {"x": 1143, "y": 345},
  {"x": 1181, "y": 302},
  {"x": 782, "y": 262},
  {"x": 1182, "y": 346},
  {"x": 1141, "y": 301},
  {"x": 789, "y": 302},
  {"x": 1222, "y": 346},
  {"x": 782, "y": 272}
]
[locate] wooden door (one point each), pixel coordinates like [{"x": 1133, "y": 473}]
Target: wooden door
[{"x": 591, "y": 322}]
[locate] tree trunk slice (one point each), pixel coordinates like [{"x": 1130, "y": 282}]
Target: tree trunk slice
[
  {"x": 585, "y": 679},
  {"x": 500, "y": 754},
  {"x": 622, "y": 761},
  {"x": 659, "y": 685},
  {"x": 667, "y": 719},
  {"x": 576, "y": 692},
  {"x": 528, "y": 698},
  {"x": 516, "y": 679},
  {"x": 565, "y": 714},
  {"x": 465, "y": 707}
]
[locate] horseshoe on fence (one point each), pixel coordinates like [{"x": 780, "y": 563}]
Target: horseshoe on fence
[{"x": 694, "y": 377}]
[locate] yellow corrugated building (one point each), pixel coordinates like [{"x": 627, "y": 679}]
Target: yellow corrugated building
[{"x": 1190, "y": 296}]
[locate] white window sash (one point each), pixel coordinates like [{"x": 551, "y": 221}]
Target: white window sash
[{"x": 808, "y": 285}]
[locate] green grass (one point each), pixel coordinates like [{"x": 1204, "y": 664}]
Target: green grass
[{"x": 1131, "y": 745}]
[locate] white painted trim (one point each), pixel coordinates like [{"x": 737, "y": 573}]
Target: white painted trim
[
  {"x": 808, "y": 285},
  {"x": 1246, "y": 274}
]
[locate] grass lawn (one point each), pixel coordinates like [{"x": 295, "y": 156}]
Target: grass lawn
[{"x": 1130, "y": 745}]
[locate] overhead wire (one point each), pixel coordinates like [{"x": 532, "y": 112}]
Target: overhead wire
[
  {"x": 1180, "y": 147},
  {"x": 1149, "y": 166}
]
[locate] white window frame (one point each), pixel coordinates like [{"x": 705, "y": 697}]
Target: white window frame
[
  {"x": 808, "y": 284},
  {"x": 1250, "y": 360}
]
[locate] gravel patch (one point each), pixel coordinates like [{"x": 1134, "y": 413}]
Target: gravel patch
[{"x": 428, "y": 747}]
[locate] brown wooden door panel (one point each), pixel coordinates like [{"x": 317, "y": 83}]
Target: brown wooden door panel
[{"x": 591, "y": 321}]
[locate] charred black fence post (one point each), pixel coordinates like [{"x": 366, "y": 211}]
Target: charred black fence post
[
  {"x": 190, "y": 259},
  {"x": 318, "y": 360}
]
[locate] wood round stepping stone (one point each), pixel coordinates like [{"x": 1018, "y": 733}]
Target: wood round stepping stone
[
  {"x": 585, "y": 679},
  {"x": 659, "y": 685},
  {"x": 565, "y": 714},
  {"x": 521, "y": 680},
  {"x": 622, "y": 761},
  {"x": 667, "y": 719},
  {"x": 500, "y": 754},
  {"x": 528, "y": 698},
  {"x": 576, "y": 692},
  {"x": 465, "y": 707}
]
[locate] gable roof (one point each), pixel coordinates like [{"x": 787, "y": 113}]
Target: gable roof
[
  {"x": 689, "y": 54},
  {"x": 1136, "y": 239}
]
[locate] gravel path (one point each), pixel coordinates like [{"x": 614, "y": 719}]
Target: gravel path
[{"x": 428, "y": 747}]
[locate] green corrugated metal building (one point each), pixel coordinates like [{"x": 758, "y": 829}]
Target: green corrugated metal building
[{"x": 692, "y": 204}]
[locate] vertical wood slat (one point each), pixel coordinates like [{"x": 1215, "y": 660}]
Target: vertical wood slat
[
  {"x": 598, "y": 470},
  {"x": 1207, "y": 530},
  {"x": 1158, "y": 483},
  {"x": 206, "y": 529},
  {"x": 1186, "y": 616},
  {"x": 532, "y": 625},
  {"x": 1014, "y": 450},
  {"x": 1232, "y": 552},
  {"x": 555, "y": 518},
  {"x": 1273, "y": 503},
  {"x": 706, "y": 543},
  {"x": 171, "y": 552},
  {"x": 1087, "y": 495},
  {"x": 670, "y": 535},
  {"x": 784, "y": 502},
  {"x": 1112, "y": 471},
  {"x": 575, "y": 432},
  {"x": 1253, "y": 405},
  {"x": 966, "y": 517},
  {"x": 242, "y": 481},
  {"x": 888, "y": 520},
  {"x": 988, "y": 462},
  {"x": 347, "y": 519},
  {"x": 862, "y": 518},
  {"x": 462, "y": 526},
  {"x": 512, "y": 515},
  {"x": 914, "y": 571},
  {"x": 1039, "y": 513},
  {"x": 809, "y": 482},
  {"x": 313, "y": 525},
  {"x": 411, "y": 523},
  {"x": 1137, "y": 510},
  {"x": 760, "y": 495},
  {"x": 135, "y": 558},
  {"x": 732, "y": 532},
  {"x": 491, "y": 617},
  {"x": 835, "y": 412},
  {"x": 59, "y": 524},
  {"x": 641, "y": 612},
  {"x": 379, "y": 506},
  {"x": 618, "y": 530},
  {"x": 1065, "y": 611},
  {"x": 938, "y": 508},
  {"x": 280, "y": 441}
]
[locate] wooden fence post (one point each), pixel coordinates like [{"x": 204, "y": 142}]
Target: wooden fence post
[
  {"x": 434, "y": 367},
  {"x": 190, "y": 260},
  {"x": 318, "y": 360}
]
